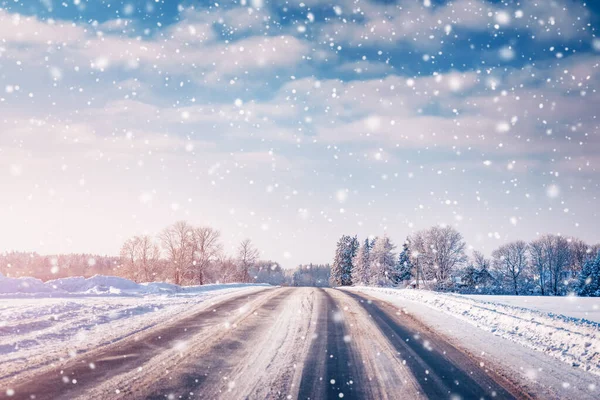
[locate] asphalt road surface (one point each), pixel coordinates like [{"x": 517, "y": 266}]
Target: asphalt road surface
[{"x": 280, "y": 343}]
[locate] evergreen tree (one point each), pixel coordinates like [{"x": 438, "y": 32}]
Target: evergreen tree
[
  {"x": 383, "y": 262},
  {"x": 589, "y": 278},
  {"x": 360, "y": 264},
  {"x": 372, "y": 243},
  {"x": 404, "y": 265},
  {"x": 341, "y": 271}
]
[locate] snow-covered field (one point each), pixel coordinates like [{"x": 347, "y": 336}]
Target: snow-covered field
[
  {"x": 41, "y": 323},
  {"x": 572, "y": 340}
]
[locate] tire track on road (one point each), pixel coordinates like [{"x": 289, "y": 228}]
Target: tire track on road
[
  {"x": 441, "y": 370},
  {"x": 383, "y": 374},
  {"x": 332, "y": 367}
]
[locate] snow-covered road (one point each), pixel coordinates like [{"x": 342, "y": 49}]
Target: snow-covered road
[
  {"x": 37, "y": 331},
  {"x": 262, "y": 342}
]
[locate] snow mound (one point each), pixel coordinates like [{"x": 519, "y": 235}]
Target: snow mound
[
  {"x": 572, "y": 340},
  {"x": 103, "y": 285},
  {"x": 161, "y": 287},
  {"x": 23, "y": 285},
  {"x": 95, "y": 284},
  {"x": 71, "y": 284}
]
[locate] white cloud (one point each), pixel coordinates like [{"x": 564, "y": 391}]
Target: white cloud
[
  {"x": 190, "y": 46},
  {"x": 16, "y": 28},
  {"x": 386, "y": 24}
]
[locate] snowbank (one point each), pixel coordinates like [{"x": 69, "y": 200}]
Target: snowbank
[
  {"x": 570, "y": 306},
  {"x": 35, "y": 332},
  {"x": 22, "y": 285},
  {"x": 572, "y": 340},
  {"x": 98, "y": 285},
  {"x": 95, "y": 284}
]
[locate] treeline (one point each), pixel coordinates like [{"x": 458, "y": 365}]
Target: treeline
[
  {"x": 436, "y": 259},
  {"x": 310, "y": 275},
  {"x": 45, "y": 267},
  {"x": 181, "y": 253},
  {"x": 193, "y": 255}
]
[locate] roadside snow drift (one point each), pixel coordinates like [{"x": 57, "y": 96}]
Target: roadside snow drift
[
  {"x": 99, "y": 285},
  {"x": 572, "y": 340},
  {"x": 41, "y": 323}
]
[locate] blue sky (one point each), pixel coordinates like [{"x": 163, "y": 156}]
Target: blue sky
[{"x": 294, "y": 122}]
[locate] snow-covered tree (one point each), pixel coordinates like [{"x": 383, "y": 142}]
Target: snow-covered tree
[
  {"x": 539, "y": 264},
  {"x": 441, "y": 251},
  {"x": 360, "y": 264},
  {"x": 510, "y": 261},
  {"x": 560, "y": 258},
  {"x": 404, "y": 267},
  {"x": 551, "y": 259},
  {"x": 589, "y": 279},
  {"x": 580, "y": 252},
  {"x": 266, "y": 271},
  {"x": 341, "y": 270},
  {"x": 383, "y": 262},
  {"x": 311, "y": 275}
]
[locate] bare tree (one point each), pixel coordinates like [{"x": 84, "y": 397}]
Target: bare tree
[
  {"x": 580, "y": 252},
  {"x": 148, "y": 257},
  {"x": 539, "y": 262},
  {"x": 205, "y": 248},
  {"x": 480, "y": 262},
  {"x": 441, "y": 250},
  {"x": 551, "y": 257},
  {"x": 559, "y": 254},
  {"x": 177, "y": 243},
  {"x": 483, "y": 277},
  {"x": 140, "y": 257},
  {"x": 247, "y": 257},
  {"x": 511, "y": 261},
  {"x": 419, "y": 247},
  {"x": 128, "y": 255},
  {"x": 225, "y": 269}
]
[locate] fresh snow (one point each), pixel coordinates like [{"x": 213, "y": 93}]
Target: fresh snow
[
  {"x": 570, "y": 306},
  {"x": 572, "y": 340},
  {"x": 41, "y": 323},
  {"x": 23, "y": 285}
]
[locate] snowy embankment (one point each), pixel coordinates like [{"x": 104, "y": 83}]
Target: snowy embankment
[
  {"x": 98, "y": 285},
  {"x": 41, "y": 323},
  {"x": 570, "y": 306},
  {"x": 572, "y": 340}
]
